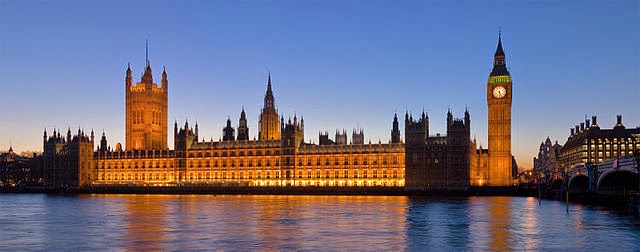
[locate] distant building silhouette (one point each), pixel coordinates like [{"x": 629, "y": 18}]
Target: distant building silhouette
[{"x": 548, "y": 158}]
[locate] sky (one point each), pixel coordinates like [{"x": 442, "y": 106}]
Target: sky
[{"x": 340, "y": 64}]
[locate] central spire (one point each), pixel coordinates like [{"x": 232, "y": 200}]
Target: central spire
[
  {"x": 269, "y": 105},
  {"x": 269, "y": 92}
]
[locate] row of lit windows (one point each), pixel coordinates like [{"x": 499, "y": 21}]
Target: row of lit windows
[
  {"x": 268, "y": 174},
  {"x": 224, "y": 163},
  {"x": 396, "y": 182},
  {"x": 233, "y": 163},
  {"x": 135, "y": 165},
  {"x": 251, "y": 153},
  {"x": 135, "y": 176},
  {"x": 606, "y": 140},
  {"x": 609, "y": 147},
  {"x": 393, "y": 182},
  {"x": 346, "y": 161},
  {"x": 349, "y": 174},
  {"x": 232, "y": 153}
]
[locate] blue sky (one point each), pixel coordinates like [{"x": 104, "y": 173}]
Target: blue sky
[{"x": 340, "y": 64}]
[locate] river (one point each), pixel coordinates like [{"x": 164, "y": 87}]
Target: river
[{"x": 327, "y": 223}]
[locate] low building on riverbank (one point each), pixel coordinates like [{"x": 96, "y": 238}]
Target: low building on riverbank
[{"x": 588, "y": 143}]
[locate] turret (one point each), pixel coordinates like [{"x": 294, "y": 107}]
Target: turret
[
  {"x": 467, "y": 119},
  {"x": 196, "y": 130},
  {"x": 228, "y": 132},
  {"x": 175, "y": 128},
  {"x": 243, "y": 129},
  {"x": 103, "y": 143},
  {"x": 357, "y": 137},
  {"x": 164, "y": 82},
  {"x": 129, "y": 78},
  {"x": 292, "y": 136},
  {"x": 395, "y": 132},
  {"x": 184, "y": 138}
]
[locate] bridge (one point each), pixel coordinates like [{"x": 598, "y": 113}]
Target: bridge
[{"x": 615, "y": 177}]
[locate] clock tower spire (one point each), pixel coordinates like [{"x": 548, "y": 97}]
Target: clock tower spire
[{"x": 499, "y": 98}]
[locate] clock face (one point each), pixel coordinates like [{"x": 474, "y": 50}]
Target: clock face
[{"x": 499, "y": 92}]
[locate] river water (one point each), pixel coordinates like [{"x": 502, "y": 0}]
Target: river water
[{"x": 327, "y": 223}]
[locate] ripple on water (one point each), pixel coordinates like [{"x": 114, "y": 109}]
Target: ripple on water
[{"x": 328, "y": 223}]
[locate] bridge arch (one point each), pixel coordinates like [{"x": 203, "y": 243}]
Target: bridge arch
[
  {"x": 556, "y": 184},
  {"x": 579, "y": 184},
  {"x": 617, "y": 182}
]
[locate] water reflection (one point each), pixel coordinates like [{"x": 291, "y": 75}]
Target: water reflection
[
  {"x": 145, "y": 220},
  {"x": 247, "y": 222},
  {"x": 498, "y": 211}
]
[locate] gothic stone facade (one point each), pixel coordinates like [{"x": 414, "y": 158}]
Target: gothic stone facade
[
  {"x": 437, "y": 163},
  {"x": 280, "y": 157}
]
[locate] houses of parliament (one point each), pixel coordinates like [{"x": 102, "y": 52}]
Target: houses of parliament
[{"x": 280, "y": 156}]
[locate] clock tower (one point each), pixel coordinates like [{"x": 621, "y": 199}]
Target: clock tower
[{"x": 499, "y": 97}]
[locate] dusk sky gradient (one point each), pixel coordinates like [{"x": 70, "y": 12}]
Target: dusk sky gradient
[{"x": 340, "y": 64}]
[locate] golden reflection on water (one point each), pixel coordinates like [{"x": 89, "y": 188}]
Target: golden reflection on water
[
  {"x": 499, "y": 223},
  {"x": 159, "y": 222},
  {"x": 204, "y": 222},
  {"x": 292, "y": 223},
  {"x": 144, "y": 216}
]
